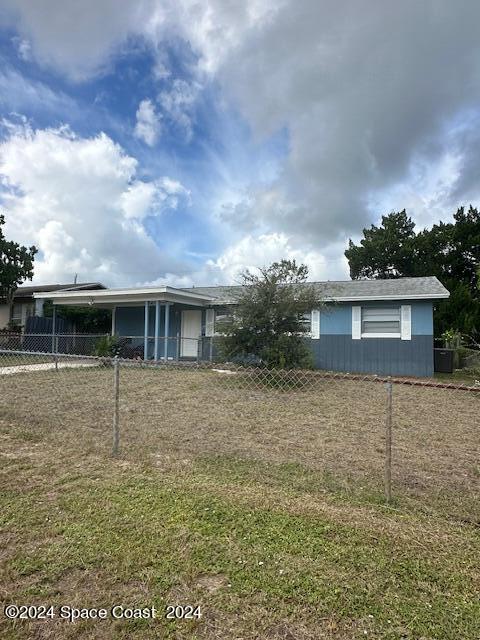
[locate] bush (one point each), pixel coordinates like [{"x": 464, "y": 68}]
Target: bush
[
  {"x": 107, "y": 347},
  {"x": 270, "y": 320}
]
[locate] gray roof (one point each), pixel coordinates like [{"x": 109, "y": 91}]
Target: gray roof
[
  {"x": 350, "y": 290},
  {"x": 26, "y": 291}
]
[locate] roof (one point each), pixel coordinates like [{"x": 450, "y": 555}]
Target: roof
[
  {"x": 138, "y": 295},
  {"x": 339, "y": 291},
  {"x": 29, "y": 290},
  {"x": 350, "y": 290}
]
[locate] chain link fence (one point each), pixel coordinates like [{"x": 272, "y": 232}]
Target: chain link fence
[
  {"x": 408, "y": 440},
  {"x": 65, "y": 343}
]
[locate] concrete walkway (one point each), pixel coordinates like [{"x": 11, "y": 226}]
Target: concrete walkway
[{"x": 45, "y": 366}]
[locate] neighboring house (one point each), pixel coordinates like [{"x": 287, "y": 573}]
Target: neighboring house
[
  {"x": 371, "y": 326},
  {"x": 25, "y": 304}
]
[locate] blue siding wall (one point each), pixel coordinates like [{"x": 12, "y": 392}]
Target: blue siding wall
[
  {"x": 337, "y": 319},
  {"x": 383, "y": 356},
  {"x": 335, "y": 350}
]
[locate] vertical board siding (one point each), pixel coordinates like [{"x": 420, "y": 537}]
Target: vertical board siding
[{"x": 384, "y": 356}]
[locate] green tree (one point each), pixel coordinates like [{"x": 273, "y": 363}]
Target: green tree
[
  {"x": 16, "y": 265},
  {"x": 450, "y": 251},
  {"x": 85, "y": 319},
  {"x": 385, "y": 251},
  {"x": 269, "y": 319}
]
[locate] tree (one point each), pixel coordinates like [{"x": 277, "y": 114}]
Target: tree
[
  {"x": 385, "y": 251},
  {"x": 16, "y": 265},
  {"x": 84, "y": 319},
  {"x": 269, "y": 319},
  {"x": 450, "y": 251}
]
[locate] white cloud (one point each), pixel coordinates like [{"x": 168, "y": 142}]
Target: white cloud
[
  {"x": 80, "y": 201},
  {"x": 141, "y": 199},
  {"x": 260, "y": 250},
  {"x": 23, "y": 47},
  {"x": 254, "y": 251},
  {"x": 147, "y": 127},
  {"x": 178, "y": 104}
]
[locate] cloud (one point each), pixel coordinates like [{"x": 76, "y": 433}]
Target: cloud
[
  {"x": 147, "y": 127},
  {"x": 78, "y": 40},
  {"x": 254, "y": 251},
  {"x": 178, "y": 104},
  {"x": 80, "y": 200},
  {"x": 18, "y": 93},
  {"x": 23, "y": 48},
  {"x": 379, "y": 103}
]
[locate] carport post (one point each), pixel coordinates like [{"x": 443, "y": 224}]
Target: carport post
[
  {"x": 54, "y": 318},
  {"x": 145, "y": 334},
  {"x": 114, "y": 313},
  {"x": 167, "y": 330},
  {"x": 157, "y": 328},
  {"x": 388, "y": 443}
]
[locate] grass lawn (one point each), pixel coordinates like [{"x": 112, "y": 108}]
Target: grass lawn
[
  {"x": 264, "y": 510},
  {"x": 459, "y": 376}
]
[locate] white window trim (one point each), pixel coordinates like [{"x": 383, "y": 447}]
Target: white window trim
[
  {"x": 381, "y": 335},
  {"x": 356, "y": 322},
  {"x": 406, "y": 322},
  {"x": 315, "y": 334}
]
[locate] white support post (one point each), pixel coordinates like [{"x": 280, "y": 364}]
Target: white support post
[
  {"x": 157, "y": 328},
  {"x": 54, "y": 319},
  {"x": 114, "y": 313},
  {"x": 167, "y": 330},
  {"x": 145, "y": 334}
]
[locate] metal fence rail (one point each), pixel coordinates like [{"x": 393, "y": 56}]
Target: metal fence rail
[{"x": 409, "y": 439}]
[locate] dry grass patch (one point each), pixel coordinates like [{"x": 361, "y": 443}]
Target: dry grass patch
[
  {"x": 334, "y": 427},
  {"x": 264, "y": 549}
]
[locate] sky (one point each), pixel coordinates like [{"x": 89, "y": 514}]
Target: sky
[{"x": 181, "y": 141}]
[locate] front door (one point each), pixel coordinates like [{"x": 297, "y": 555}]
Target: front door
[{"x": 191, "y": 330}]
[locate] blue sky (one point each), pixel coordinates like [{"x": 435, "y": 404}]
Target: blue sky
[{"x": 175, "y": 142}]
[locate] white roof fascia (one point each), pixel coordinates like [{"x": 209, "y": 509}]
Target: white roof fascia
[
  {"x": 418, "y": 296},
  {"x": 117, "y": 296}
]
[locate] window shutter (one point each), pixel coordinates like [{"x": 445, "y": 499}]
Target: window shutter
[
  {"x": 406, "y": 322},
  {"x": 209, "y": 322},
  {"x": 356, "y": 323},
  {"x": 315, "y": 326}
]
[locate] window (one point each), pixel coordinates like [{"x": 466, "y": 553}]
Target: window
[
  {"x": 381, "y": 322},
  {"x": 16, "y": 313},
  {"x": 220, "y": 317},
  {"x": 306, "y": 321},
  {"x": 223, "y": 314}
]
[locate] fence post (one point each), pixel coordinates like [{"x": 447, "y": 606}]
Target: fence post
[
  {"x": 116, "y": 398},
  {"x": 388, "y": 442}
]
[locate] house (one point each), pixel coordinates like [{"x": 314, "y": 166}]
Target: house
[
  {"x": 371, "y": 326},
  {"x": 26, "y": 305}
]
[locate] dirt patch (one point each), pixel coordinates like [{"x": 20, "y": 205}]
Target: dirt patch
[{"x": 211, "y": 583}]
